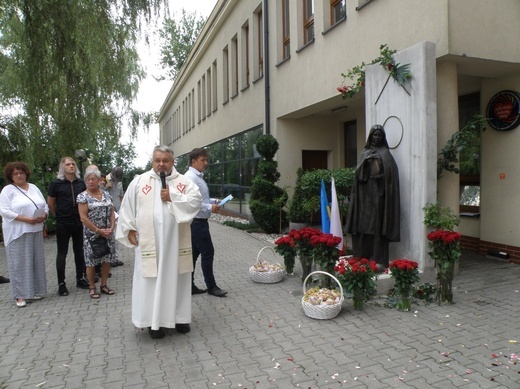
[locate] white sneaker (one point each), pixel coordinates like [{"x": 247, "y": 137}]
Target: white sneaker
[
  {"x": 21, "y": 304},
  {"x": 36, "y": 298}
]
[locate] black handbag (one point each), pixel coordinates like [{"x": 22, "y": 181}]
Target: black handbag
[{"x": 99, "y": 245}]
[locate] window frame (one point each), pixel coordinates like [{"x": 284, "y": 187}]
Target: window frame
[
  {"x": 308, "y": 22},
  {"x": 469, "y": 179},
  {"x": 286, "y": 31},
  {"x": 260, "y": 44},
  {"x": 333, "y": 5}
]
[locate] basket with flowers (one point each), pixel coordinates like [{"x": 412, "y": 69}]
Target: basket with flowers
[
  {"x": 322, "y": 303},
  {"x": 266, "y": 272}
]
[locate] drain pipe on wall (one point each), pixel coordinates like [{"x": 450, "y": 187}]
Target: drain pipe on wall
[{"x": 267, "y": 102}]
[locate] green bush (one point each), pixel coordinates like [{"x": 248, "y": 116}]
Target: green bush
[
  {"x": 267, "y": 199},
  {"x": 311, "y": 187},
  {"x": 440, "y": 217},
  {"x": 267, "y": 146},
  {"x": 268, "y": 171},
  {"x": 297, "y": 212}
]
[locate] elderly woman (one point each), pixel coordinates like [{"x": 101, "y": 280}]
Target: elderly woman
[
  {"x": 97, "y": 215},
  {"x": 23, "y": 210}
]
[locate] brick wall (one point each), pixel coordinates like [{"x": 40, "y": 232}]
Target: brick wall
[
  {"x": 482, "y": 247},
  {"x": 470, "y": 243}
]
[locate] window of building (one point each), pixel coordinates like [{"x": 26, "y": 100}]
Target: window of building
[
  {"x": 338, "y": 11},
  {"x": 258, "y": 45},
  {"x": 175, "y": 124},
  {"x": 234, "y": 66},
  {"x": 350, "y": 133},
  {"x": 209, "y": 93},
  {"x": 184, "y": 117},
  {"x": 214, "y": 86},
  {"x": 178, "y": 123},
  {"x": 188, "y": 112},
  {"x": 469, "y": 159},
  {"x": 199, "y": 102},
  {"x": 225, "y": 75},
  {"x": 286, "y": 33},
  {"x": 233, "y": 164},
  {"x": 308, "y": 21},
  {"x": 193, "y": 108},
  {"x": 203, "y": 97},
  {"x": 168, "y": 132},
  {"x": 245, "y": 55}
]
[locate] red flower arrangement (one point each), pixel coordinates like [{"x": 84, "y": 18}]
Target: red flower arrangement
[
  {"x": 286, "y": 247},
  {"x": 309, "y": 243},
  {"x": 446, "y": 236},
  {"x": 324, "y": 250},
  {"x": 358, "y": 277},
  {"x": 405, "y": 273},
  {"x": 445, "y": 251}
]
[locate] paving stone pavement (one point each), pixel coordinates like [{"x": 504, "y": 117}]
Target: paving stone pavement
[{"x": 259, "y": 337}]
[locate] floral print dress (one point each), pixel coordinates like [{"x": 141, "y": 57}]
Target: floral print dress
[{"x": 99, "y": 214}]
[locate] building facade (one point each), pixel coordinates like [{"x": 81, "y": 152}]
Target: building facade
[{"x": 273, "y": 66}]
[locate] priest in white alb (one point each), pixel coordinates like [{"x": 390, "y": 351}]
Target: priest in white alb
[{"x": 155, "y": 218}]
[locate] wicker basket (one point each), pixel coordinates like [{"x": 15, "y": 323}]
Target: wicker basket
[
  {"x": 321, "y": 311},
  {"x": 266, "y": 277}
]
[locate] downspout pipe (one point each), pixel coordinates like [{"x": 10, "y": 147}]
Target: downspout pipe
[{"x": 267, "y": 97}]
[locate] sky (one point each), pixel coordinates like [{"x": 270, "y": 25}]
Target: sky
[{"x": 151, "y": 92}]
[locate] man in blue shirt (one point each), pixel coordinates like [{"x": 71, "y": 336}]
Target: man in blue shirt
[{"x": 200, "y": 237}]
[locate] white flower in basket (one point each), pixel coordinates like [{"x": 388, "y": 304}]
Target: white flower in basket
[
  {"x": 322, "y": 303},
  {"x": 265, "y": 272},
  {"x": 265, "y": 266},
  {"x": 323, "y": 296}
]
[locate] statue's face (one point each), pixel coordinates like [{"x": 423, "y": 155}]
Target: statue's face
[{"x": 377, "y": 138}]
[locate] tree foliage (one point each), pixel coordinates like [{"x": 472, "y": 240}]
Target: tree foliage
[
  {"x": 177, "y": 38},
  {"x": 69, "y": 71}
]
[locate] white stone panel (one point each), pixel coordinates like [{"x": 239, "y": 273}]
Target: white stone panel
[{"x": 410, "y": 121}]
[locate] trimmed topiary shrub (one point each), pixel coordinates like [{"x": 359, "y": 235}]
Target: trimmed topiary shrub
[{"x": 267, "y": 199}]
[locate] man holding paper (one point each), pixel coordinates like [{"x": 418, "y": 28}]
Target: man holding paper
[
  {"x": 200, "y": 236},
  {"x": 155, "y": 218}
]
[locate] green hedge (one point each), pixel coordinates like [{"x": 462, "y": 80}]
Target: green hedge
[{"x": 311, "y": 187}]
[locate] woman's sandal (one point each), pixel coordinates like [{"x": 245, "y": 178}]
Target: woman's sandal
[
  {"x": 93, "y": 293},
  {"x": 106, "y": 290}
]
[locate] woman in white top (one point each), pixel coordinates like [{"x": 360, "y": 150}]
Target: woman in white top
[{"x": 23, "y": 210}]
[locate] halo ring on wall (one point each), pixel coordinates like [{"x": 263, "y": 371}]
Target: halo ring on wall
[
  {"x": 394, "y": 131},
  {"x": 503, "y": 110}
]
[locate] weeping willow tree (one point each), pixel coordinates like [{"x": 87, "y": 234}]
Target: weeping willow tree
[{"x": 69, "y": 71}]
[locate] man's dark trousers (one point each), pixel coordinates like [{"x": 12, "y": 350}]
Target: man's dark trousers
[
  {"x": 202, "y": 245},
  {"x": 63, "y": 234}
]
